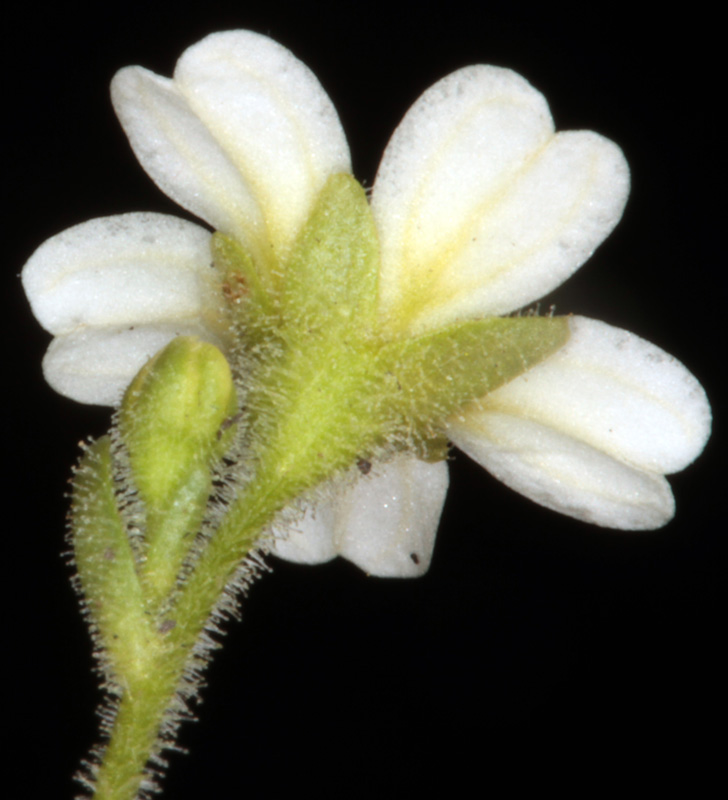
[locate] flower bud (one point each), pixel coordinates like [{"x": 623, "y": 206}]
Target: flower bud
[{"x": 172, "y": 415}]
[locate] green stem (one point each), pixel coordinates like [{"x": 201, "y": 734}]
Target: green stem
[{"x": 134, "y": 739}]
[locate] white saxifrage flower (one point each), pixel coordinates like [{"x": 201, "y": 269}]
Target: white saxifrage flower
[{"x": 480, "y": 209}]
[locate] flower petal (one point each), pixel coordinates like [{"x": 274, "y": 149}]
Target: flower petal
[
  {"x": 95, "y": 365},
  {"x": 384, "y": 522},
  {"x": 245, "y": 136},
  {"x": 480, "y": 207},
  {"x": 589, "y": 431},
  {"x": 310, "y": 539},
  {"x": 564, "y": 474},
  {"x": 127, "y": 269},
  {"x": 387, "y": 523},
  {"x": 182, "y": 156},
  {"x": 272, "y": 117}
]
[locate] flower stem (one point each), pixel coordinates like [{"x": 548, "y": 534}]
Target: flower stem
[
  {"x": 152, "y": 701},
  {"x": 134, "y": 740}
]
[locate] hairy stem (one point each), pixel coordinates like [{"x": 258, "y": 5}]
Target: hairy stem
[{"x": 134, "y": 739}]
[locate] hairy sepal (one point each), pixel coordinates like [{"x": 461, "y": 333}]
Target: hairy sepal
[
  {"x": 249, "y": 292},
  {"x": 331, "y": 278},
  {"x": 317, "y": 404},
  {"x": 433, "y": 375},
  {"x": 107, "y": 567}
]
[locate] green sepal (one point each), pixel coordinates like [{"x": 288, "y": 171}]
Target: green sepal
[
  {"x": 244, "y": 288},
  {"x": 316, "y": 387},
  {"x": 331, "y": 276},
  {"x": 432, "y": 375},
  {"x": 107, "y": 568},
  {"x": 321, "y": 406}
]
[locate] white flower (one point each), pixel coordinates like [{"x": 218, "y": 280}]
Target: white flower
[{"x": 480, "y": 207}]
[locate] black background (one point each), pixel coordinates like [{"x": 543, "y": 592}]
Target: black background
[{"x": 532, "y": 634}]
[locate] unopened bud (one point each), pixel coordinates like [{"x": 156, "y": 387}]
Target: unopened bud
[{"x": 172, "y": 415}]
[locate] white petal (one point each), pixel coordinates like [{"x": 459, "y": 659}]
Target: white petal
[
  {"x": 591, "y": 430},
  {"x": 384, "y": 522},
  {"x": 182, "y": 156},
  {"x": 480, "y": 207},
  {"x": 273, "y": 120},
  {"x": 564, "y": 474},
  {"x": 95, "y": 365},
  {"x": 387, "y": 523},
  {"x": 310, "y": 539},
  {"x": 616, "y": 392},
  {"x": 127, "y": 269}
]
